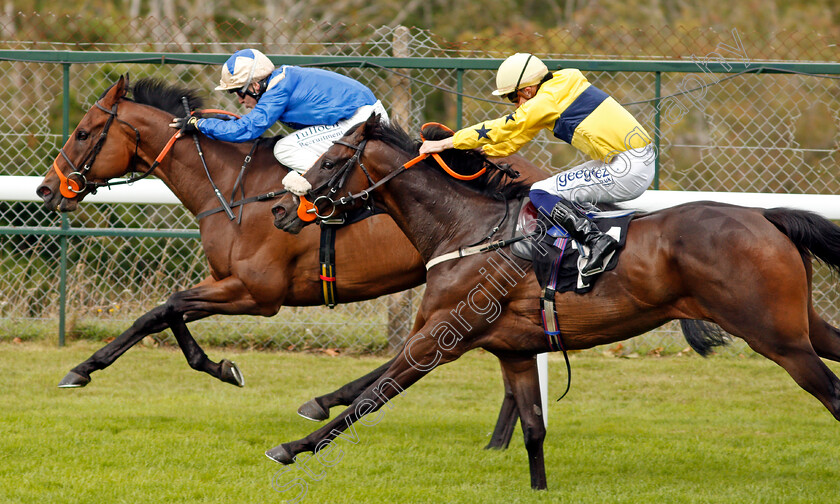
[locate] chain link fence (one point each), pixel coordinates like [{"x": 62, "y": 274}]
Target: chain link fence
[{"x": 774, "y": 133}]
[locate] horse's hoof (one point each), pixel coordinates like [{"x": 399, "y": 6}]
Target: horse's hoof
[
  {"x": 73, "y": 380},
  {"x": 495, "y": 444},
  {"x": 280, "y": 454},
  {"x": 311, "y": 410},
  {"x": 231, "y": 374}
]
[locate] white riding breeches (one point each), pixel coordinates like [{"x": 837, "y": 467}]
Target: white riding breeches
[
  {"x": 300, "y": 150},
  {"x": 625, "y": 177}
]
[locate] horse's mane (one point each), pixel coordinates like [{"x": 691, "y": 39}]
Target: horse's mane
[
  {"x": 491, "y": 183},
  {"x": 167, "y": 97}
]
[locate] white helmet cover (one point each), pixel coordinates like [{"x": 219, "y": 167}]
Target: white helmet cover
[
  {"x": 518, "y": 71},
  {"x": 244, "y": 67}
]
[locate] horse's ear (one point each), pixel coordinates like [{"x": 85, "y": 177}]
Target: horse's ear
[
  {"x": 116, "y": 92},
  {"x": 371, "y": 124}
]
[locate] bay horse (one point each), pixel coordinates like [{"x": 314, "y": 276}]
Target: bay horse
[
  {"x": 254, "y": 269},
  {"x": 748, "y": 270}
]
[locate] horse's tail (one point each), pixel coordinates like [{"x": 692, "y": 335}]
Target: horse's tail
[
  {"x": 811, "y": 233},
  {"x": 703, "y": 336}
]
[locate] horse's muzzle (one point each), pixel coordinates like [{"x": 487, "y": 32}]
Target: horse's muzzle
[{"x": 285, "y": 217}]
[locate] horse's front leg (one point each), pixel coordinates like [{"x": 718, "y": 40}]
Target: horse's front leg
[
  {"x": 210, "y": 297},
  {"x": 153, "y": 321},
  {"x": 521, "y": 373},
  {"x": 318, "y": 409},
  {"x": 415, "y": 361}
]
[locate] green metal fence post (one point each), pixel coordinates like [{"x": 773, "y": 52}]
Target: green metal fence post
[
  {"x": 65, "y": 222},
  {"x": 459, "y": 99},
  {"x": 62, "y": 282},
  {"x": 656, "y": 132}
]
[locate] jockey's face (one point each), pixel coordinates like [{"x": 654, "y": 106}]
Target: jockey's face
[
  {"x": 523, "y": 95},
  {"x": 247, "y": 99},
  {"x": 248, "y": 102}
]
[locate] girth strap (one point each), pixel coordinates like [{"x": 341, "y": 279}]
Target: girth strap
[
  {"x": 326, "y": 258},
  {"x": 551, "y": 326}
]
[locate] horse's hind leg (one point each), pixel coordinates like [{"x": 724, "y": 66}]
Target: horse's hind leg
[
  {"x": 781, "y": 333},
  {"x": 806, "y": 368},
  {"x": 521, "y": 374},
  {"x": 825, "y": 338},
  {"x": 508, "y": 416}
]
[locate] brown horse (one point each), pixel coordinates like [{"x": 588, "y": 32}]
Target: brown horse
[
  {"x": 746, "y": 269},
  {"x": 254, "y": 269}
]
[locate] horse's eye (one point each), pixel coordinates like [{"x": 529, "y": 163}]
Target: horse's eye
[
  {"x": 327, "y": 165},
  {"x": 82, "y": 135}
]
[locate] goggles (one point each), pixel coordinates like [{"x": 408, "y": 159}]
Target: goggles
[{"x": 243, "y": 93}]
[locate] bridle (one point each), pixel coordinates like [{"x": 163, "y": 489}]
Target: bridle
[
  {"x": 336, "y": 182},
  {"x": 70, "y": 187}
]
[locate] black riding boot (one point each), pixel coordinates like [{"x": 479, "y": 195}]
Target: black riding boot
[{"x": 583, "y": 230}]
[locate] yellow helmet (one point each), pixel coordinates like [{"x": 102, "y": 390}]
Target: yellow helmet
[
  {"x": 517, "y": 72},
  {"x": 244, "y": 67}
]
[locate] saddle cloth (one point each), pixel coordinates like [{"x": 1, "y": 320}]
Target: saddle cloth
[{"x": 556, "y": 258}]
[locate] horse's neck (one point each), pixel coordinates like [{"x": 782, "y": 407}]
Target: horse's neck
[
  {"x": 183, "y": 172},
  {"x": 443, "y": 219}
]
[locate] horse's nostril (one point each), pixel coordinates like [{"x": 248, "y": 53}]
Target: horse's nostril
[
  {"x": 278, "y": 211},
  {"x": 43, "y": 192}
]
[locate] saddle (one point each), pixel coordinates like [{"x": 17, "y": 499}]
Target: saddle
[{"x": 555, "y": 257}]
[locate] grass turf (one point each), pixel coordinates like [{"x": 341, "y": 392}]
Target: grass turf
[{"x": 149, "y": 429}]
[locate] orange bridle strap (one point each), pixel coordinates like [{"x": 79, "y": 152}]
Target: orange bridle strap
[
  {"x": 440, "y": 161},
  {"x": 306, "y": 210},
  {"x": 67, "y": 186}
]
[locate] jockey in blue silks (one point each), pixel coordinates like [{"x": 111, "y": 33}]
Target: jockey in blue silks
[{"x": 320, "y": 105}]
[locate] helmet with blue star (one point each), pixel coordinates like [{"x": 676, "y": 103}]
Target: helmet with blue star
[{"x": 243, "y": 68}]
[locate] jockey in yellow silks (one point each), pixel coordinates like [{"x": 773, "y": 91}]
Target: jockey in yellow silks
[{"x": 576, "y": 112}]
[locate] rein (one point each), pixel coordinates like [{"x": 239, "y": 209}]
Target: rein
[{"x": 308, "y": 210}]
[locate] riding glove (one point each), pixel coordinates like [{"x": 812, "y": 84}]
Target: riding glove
[{"x": 185, "y": 124}]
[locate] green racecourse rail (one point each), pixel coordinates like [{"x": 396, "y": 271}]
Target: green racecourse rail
[{"x": 393, "y": 64}]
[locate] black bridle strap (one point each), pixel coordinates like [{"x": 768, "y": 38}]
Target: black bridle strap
[
  {"x": 234, "y": 204},
  {"x": 338, "y": 179},
  {"x": 87, "y": 162},
  {"x": 350, "y": 198},
  {"x": 239, "y": 179},
  {"x": 185, "y": 101}
]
